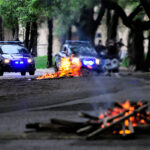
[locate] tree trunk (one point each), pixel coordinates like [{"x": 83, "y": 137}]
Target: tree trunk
[
  {"x": 148, "y": 57},
  {"x": 139, "y": 48},
  {"x": 87, "y": 25},
  {"x": 86, "y": 34},
  {"x": 108, "y": 22},
  {"x": 33, "y": 39},
  {"x": 136, "y": 49},
  {"x": 112, "y": 25},
  {"x": 50, "y": 43},
  {"x": 146, "y": 5},
  {"x": 67, "y": 36},
  {"x": 15, "y": 32},
  {"x": 27, "y": 34},
  {"x": 131, "y": 52},
  {"x": 1, "y": 30}
]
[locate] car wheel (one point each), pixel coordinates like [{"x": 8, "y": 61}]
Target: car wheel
[
  {"x": 1, "y": 71},
  {"x": 23, "y": 73},
  {"x": 31, "y": 73}
]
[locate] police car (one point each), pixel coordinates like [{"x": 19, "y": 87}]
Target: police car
[
  {"x": 14, "y": 57},
  {"x": 82, "y": 51}
]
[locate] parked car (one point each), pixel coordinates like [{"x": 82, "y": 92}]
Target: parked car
[
  {"x": 15, "y": 57},
  {"x": 82, "y": 51}
]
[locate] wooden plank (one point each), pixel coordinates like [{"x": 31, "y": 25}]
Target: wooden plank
[{"x": 99, "y": 130}]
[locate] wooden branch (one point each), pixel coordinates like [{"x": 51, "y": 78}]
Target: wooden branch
[
  {"x": 86, "y": 115},
  {"x": 146, "y": 5},
  {"x": 109, "y": 4},
  {"x": 94, "y": 125},
  {"x": 123, "y": 129},
  {"x": 45, "y": 126},
  {"x": 130, "y": 127},
  {"x": 95, "y": 133},
  {"x": 84, "y": 129},
  {"x": 134, "y": 13},
  {"x": 67, "y": 123},
  {"x": 145, "y": 25},
  {"x": 97, "y": 22}
]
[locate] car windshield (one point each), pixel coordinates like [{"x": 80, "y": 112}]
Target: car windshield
[
  {"x": 14, "y": 49},
  {"x": 84, "y": 50}
]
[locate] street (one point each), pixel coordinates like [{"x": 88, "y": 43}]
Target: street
[{"x": 27, "y": 100}]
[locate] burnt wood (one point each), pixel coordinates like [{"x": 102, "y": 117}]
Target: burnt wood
[
  {"x": 86, "y": 115},
  {"x": 99, "y": 130}
]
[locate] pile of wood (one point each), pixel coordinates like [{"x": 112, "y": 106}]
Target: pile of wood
[{"x": 117, "y": 121}]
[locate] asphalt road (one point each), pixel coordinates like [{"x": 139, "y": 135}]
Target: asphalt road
[
  {"x": 13, "y": 75},
  {"x": 27, "y": 100}
]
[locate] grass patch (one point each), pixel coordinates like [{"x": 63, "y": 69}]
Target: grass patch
[
  {"x": 41, "y": 62},
  {"x": 125, "y": 62}
]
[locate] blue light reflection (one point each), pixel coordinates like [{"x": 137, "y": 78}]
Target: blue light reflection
[
  {"x": 19, "y": 62},
  {"x": 88, "y": 62}
]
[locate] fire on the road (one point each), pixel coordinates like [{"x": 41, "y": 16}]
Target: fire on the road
[
  {"x": 68, "y": 67},
  {"x": 129, "y": 123}
]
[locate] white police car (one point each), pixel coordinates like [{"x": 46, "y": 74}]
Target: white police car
[{"x": 83, "y": 52}]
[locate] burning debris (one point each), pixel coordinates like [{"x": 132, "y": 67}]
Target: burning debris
[
  {"x": 69, "y": 67},
  {"x": 124, "y": 119}
]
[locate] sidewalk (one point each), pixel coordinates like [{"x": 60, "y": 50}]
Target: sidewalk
[{"x": 43, "y": 71}]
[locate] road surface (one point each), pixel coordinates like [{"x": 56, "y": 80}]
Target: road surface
[{"x": 27, "y": 100}]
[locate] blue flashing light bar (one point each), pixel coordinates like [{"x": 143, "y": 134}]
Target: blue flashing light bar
[
  {"x": 88, "y": 62},
  {"x": 19, "y": 62},
  {"x": 16, "y": 62},
  {"x": 77, "y": 42},
  {"x": 11, "y": 42}
]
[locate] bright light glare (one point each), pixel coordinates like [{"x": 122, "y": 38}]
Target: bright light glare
[
  {"x": 21, "y": 62},
  {"x": 88, "y": 62},
  {"x": 6, "y": 61},
  {"x": 97, "y": 61},
  {"x": 76, "y": 60},
  {"x": 29, "y": 60}
]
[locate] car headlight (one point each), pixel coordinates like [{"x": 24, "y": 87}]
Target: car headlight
[
  {"x": 75, "y": 60},
  {"x": 30, "y": 60},
  {"x": 98, "y": 61},
  {"x": 6, "y": 61}
]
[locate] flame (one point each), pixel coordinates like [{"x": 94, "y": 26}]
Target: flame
[
  {"x": 125, "y": 108},
  {"x": 125, "y": 132},
  {"x": 68, "y": 67}
]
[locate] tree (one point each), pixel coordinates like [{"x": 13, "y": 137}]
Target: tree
[
  {"x": 86, "y": 25},
  {"x": 22, "y": 12},
  {"x": 50, "y": 42},
  {"x": 10, "y": 16},
  {"x": 146, "y": 5},
  {"x": 48, "y": 8},
  {"x": 136, "y": 23},
  {"x": 1, "y": 30}
]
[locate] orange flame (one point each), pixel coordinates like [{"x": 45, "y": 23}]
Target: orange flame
[
  {"x": 125, "y": 132},
  {"x": 68, "y": 67},
  {"x": 129, "y": 124}
]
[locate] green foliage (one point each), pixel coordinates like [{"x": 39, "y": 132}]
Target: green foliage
[
  {"x": 69, "y": 13},
  {"x": 132, "y": 4},
  {"x": 14, "y": 11},
  {"x": 125, "y": 62},
  {"x": 8, "y": 10},
  {"x": 41, "y": 62}
]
